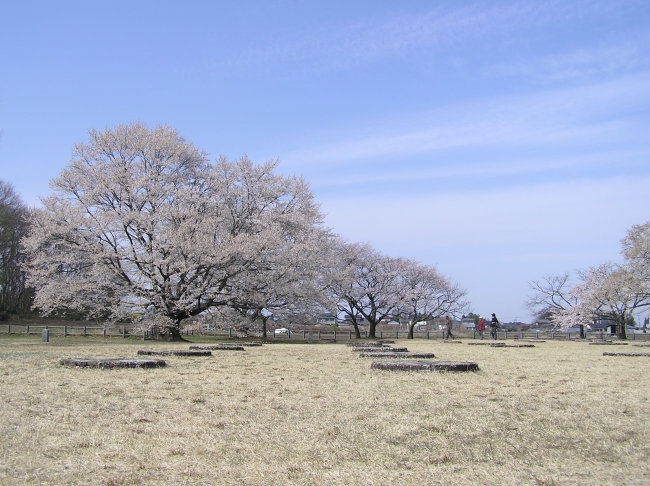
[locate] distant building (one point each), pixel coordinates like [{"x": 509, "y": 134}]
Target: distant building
[
  {"x": 348, "y": 321},
  {"x": 514, "y": 326},
  {"x": 327, "y": 319},
  {"x": 601, "y": 324},
  {"x": 544, "y": 324},
  {"x": 468, "y": 323}
]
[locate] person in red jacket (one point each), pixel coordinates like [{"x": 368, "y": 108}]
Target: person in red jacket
[{"x": 480, "y": 327}]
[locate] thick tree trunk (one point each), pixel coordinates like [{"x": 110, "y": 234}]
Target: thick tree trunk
[
  {"x": 357, "y": 332},
  {"x": 355, "y": 324},
  {"x": 621, "y": 330},
  {"x": 371, "y": 329},
  {"x": 264, "y": 327},
  {"x": 173, "y": 333},
  {"x": 411, "y": 327},
  {"x": 582, "y": 331}
]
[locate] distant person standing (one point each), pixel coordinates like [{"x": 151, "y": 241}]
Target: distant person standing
[
  {"x": 494, "y": 324},
  {"x": 480, "y": 326},
  {"x": 449, "y": 324}
]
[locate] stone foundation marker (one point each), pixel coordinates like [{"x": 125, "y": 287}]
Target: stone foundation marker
[
  {"x": 113, "y": 363},
  {"x": 174, "y": 352},
  {"x": 424, "y": 366}
]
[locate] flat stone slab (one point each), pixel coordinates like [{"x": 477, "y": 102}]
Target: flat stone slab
[
  {"x": 626, "y": 354},
  {"x": 174, "y": 352},
  {"x": 453, "y": 342},
  {"x": 226, "y": 347},
  {"x": 607, "y": 343},
  {"x": 642, "y": 345},
  {"x": 367, "y": 345},
  {"x": 113, "y": 363},
  {"x": 397, "y": 355},
  {"x": 503, "y": 345},
  {"x": 424, "y": 366},
  {"x": 248, "y": 344},
  {"x": 380, "y": 350}
]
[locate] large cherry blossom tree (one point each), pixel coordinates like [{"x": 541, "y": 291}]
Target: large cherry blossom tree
[
  {"x": 141, "y": 221},
  {"x": 427, "y": 295},
  {"x": 636, "y": 249},
  {"x": 290, "y": 286},
  {"x": 364, "y": 282},
  {"x": 611, "y": 290}
]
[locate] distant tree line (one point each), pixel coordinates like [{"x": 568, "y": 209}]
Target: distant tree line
[{"x": 15, "y": 296}]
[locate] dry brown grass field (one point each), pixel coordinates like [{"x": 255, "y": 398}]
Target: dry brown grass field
[{"x": 559, "y": 413}]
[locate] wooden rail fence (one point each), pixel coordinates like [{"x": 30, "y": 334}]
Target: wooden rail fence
[{"x": 317, "y": 335}]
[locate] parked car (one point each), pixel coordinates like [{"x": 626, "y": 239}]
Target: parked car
[{"x": 281, "y": 330}]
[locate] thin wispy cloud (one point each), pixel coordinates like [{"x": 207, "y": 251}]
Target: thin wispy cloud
[
  {"x": 406, "y": 34},
  {"x": 534, "y": 214},
  {"x": 525, "y": 166},
  {"x": 605, "y": 59},
  {"x": 566, "y": 116}
]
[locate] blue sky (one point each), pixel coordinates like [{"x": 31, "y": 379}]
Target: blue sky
[{"x": 498, "y": 141}]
